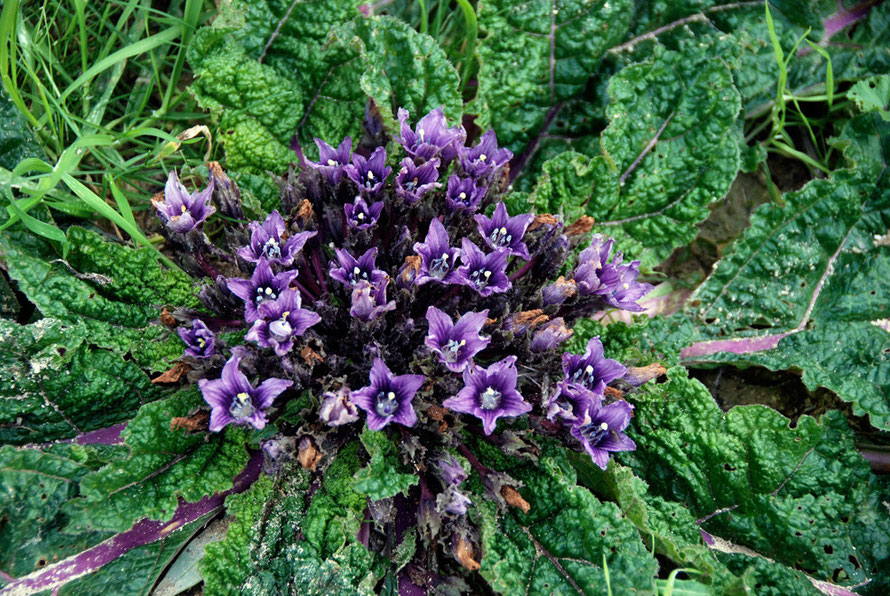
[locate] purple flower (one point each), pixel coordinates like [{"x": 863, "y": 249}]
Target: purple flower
[
  {"x": 600, "y": 431},
  {"x": 490, "y": 393},
  {"x": 352, "y": 271},
  {"x": 592, "y": 370},
  {"x": 331, "y": 162},
  {"x": 336, "y": 409},
  {"x": 559, "y": 291},
  {"x": 432, "y": 137},
  {"x": 452, "y": 501},
  {"x": 463, "y": 193},
  {"x": 369, "y": 174},
  {"x": 450, "y": 470},
  {"x": 569, "y": 402},
  {"x": 388, "y": 397},
  {"x": 266, "y": 241},
  {"x": 628, "y": 290},
  {"x": 502, "y": 231},
  {"x": 233, "y": 400},
  {"x": 262, "y": 286},
  {"x": 369, "y": 300},
  {"x": 456, "y": 343},
  {"x": 360, "y": 215},
  {"x": 485, "y": 273},
  {"x": 550, "y": 335},
  {"x": 437, "y": 259},
  {"x": 280, "y": 322},
  {"x": 485, "y": 159},
  {"x": 616, "y": 283},
  {"x": 412, "y": 182},
  {"x": 182, "y": 211},
  {"x": 199, "y": 340}
]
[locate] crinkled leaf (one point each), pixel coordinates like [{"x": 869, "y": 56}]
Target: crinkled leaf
[
  {"x": 536, "y": 54},
  {"x": 16, "y": 140},
  {"x": 560, "y": 544},
  {"x": 802, "y": 496},
  {"x": 872, "y": 95},
  {"x": 381, "y": 478},
  {"x": 55, "y": 384},
  {"x": 162, "y": 466}
]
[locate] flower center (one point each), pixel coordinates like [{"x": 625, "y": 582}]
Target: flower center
[
  {"x": 452, "y": 348},
  {"x": 480, "y": 277},
  {"x": 490, "y": 399},
  {"x": 482, "y": 157},
  {"x": 280, "y": 328},
  {"x": 264, "y": 293},
  {"x": 411, "y": 184},
  {"x": 201, "y": 342},
  {"x": 387, "y": 404},
  {"x": 500, "y": 237},
  {"x": 584, "y": 376},
  {"x": 241, "y": 407},
  {"x": 420, "y": 133},
  {"x": 332, "y": 162},
  {"x": 272, "y": 250},
  {"x": 370, "y": 182},
  {"x": 358, "y": 274},
  {"x": 440, "y": 267},
  {"x": 594, "y": 433}
]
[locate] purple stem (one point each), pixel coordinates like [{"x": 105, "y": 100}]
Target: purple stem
[
  {"x": 319, "y": 271},
  {"x": 520, "y": 161},
  {"x": 739, "y": 345},
  {"x": 844, "y": 18},
  {"x": 524, "y": 269},
  {"x": 878, "y": 458},
  {"x": 102, "y": 436},
  {"x": 209, "y": 269},
  {"x": 143, "y": 532}
]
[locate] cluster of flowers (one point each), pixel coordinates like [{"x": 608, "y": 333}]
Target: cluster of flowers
[{"x": 404, "y": 299}]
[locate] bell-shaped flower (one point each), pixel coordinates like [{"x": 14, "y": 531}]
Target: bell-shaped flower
[
  {"x": 200, "y": 341},
  {"x": 181, "y": 211},
  {"x": 463, "y": 194},
  {"x": 600, "y": 431},
  {"x": 369, "y": 174},
  {"x": 281, "y": 322},
  {"x": 360, "y": 215},
  {"x": 449, "y": 470},
  {"x": 592, "y": 369},
  {"x": 332, "y": 162},
  {"x": 369, "y": 300},
  {"x": 490, "y": 393},
  {"x": 438, "y": 261},
  {"x": 233, "y": 400},
  {"x": 550, "y": 336},
  {"x": 569, "y": 402},
  {"x": 350, "y": 271},
  {"x": 266, "y": 241},
  {"x": 388, "y": 397},
  {"x": 500, "y": 231},
  {"x": 413, "y": 181},
  {"x": 486, "y": 159},
  {"x": 628, "y": 290},
  {"x": 431, "y": 138},
  {"x": 485, "y": 273},
  {"x": 263, "y": 286},
  {"x": 456, "y": 343}
]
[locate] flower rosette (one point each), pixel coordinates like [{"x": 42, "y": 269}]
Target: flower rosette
[{"x": 407, "y": 299}]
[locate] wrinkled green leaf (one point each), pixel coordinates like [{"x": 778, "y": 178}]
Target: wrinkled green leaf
[
  {"x": 16, "y": 140},
  {"x": 381, "y": 478},
  {"x": 872, "y": 95}
]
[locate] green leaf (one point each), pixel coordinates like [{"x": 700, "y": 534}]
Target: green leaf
[
  {"x": 60, "y": 385},
  {"x": 381, "y": 478},
  {"x": 561, "y": 545},
  {"x": 802, "y": 496},
  {"x": 536, "y": 55},
  {"x": 872, "y": 95},
  {"x": 162, "y": 466},
  {"x": 16, "y": 140},
  {"x": 260, "y": 105}
]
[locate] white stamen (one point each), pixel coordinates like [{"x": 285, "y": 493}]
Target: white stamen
[{"x": 331, "y": 162}]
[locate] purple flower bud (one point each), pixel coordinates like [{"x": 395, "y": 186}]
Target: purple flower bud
[
  {"x": 484, "y": 160},
  {"x": 432, "y": 138},
  {"x": 361, "y": 216},
  {"x": 412, "y": 182},
  {"x": 199, "y": 340},
  {"x": 485, "y": 273},
  {"x": 369, "y": 300},
  {"x": 504, "y": 232},
  {"x": 616, "y": 283},
  {"x": 450, "y": 470},
  {"x": 262, "y": 286},
  {"x": 600, "y": 431},
  {"x": 463, "y": 194},
  {"x": 266, "y": 241},
  {"x": 456, "y": 343},
  {"x": 452, "y": 501},
  {"x": 592, "y": 369},
  {"x": 332, "y": 162},
  {"x": 388, "y": 397},
  {"x": 437, "y": 259},
  {"x": 569, "y": 402},
  {"x": 352, "y": 271},
  {"x": 490, "y": 393},
  {"x": 226, "y": 193},
  {"x": 181, "y": 211},
  {"x": 369, "y": 174},
  {"x": 550, "y": 336},
  {"x": 281, "y": 322},
  {"x": 336, "y": 408},
  {"x": 233, "y": 400},
  {"x": 559, "y": 291}
]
